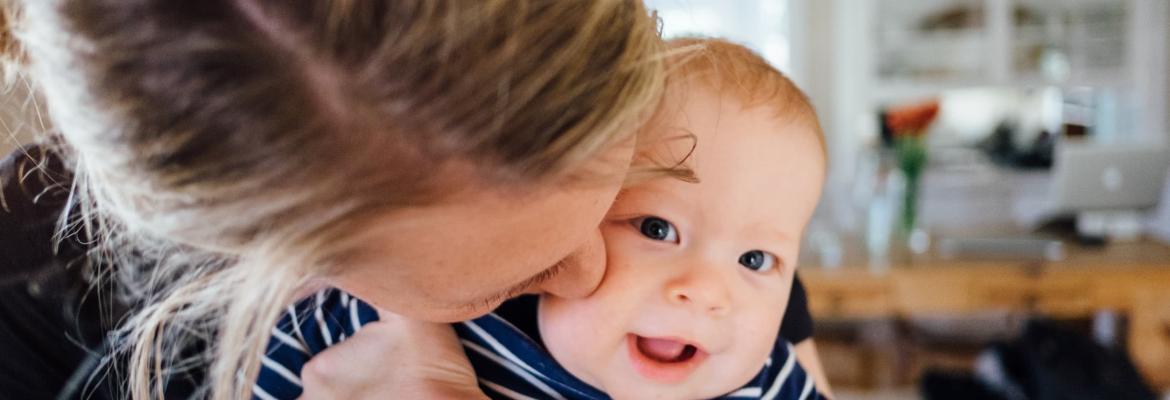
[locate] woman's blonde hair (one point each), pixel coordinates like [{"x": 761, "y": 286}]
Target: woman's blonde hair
[{"x": 221, "y": 148}]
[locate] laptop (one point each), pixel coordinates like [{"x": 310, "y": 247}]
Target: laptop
[{"x": 1096, "y": 177}]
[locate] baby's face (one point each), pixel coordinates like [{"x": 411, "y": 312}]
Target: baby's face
[{"x": 699, "y": 273}]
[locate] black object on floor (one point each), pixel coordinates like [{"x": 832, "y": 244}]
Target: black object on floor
[{"x": 1047, "y": 362}]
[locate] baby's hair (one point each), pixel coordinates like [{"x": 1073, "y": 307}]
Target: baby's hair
[
  {"x": 729, "y": 69},
  {"x": 737, "y": 71}
]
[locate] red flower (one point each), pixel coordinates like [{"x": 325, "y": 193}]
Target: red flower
[{"x": 912, "y": 119}]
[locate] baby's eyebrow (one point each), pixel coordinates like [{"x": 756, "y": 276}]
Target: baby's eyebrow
[
  {"x": 647, "y": 190},
  {"x": 771, "y": 234}
]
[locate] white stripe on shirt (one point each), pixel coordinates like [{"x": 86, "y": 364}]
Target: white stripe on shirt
[
  {"x": 511, "y": 366},
  {"x": 259, "y": 392},
  {"x": 296, "y": 321},
  {"x": 288, "y": 340},
  {"x": 497, "y": 317},
  {"x": 509, "y": 393},
  {"x": 779, "y": 382},
  {"x": 321, "y": 319},
  {"x": 808, "y": 385},
  {"x": 353, "y": 315},
  {"x": 280, "y": 370},
  {"x": 500, "y": 348},
  {"x": 749, "y": 392}
]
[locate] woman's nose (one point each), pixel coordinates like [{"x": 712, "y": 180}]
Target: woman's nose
[
  {"x": 582, "y": 271},
  {"x": 702, "y": 290}
]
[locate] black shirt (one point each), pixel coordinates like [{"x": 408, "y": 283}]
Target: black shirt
[{"x": 48, "y": 324}]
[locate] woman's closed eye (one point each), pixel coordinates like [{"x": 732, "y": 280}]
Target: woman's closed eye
[{"x": 655, "y": 228}]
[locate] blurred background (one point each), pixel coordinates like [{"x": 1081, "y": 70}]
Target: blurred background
[{"x": 1009, "y": 241}]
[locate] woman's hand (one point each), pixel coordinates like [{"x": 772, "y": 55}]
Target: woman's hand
[{"x": 393, "y": 358}]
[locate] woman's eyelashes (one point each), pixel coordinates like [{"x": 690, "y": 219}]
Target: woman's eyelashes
[
  {"x": 758, "y": 260},
  {"x": 655, "y": 228}
]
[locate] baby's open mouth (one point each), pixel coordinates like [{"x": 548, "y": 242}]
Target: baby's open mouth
[
  {"x": 663, "y": 359},
  {"x": 665, "y": 350}
]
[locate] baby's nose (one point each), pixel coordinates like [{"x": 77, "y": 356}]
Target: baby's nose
[{"x": 702, "y": 293}]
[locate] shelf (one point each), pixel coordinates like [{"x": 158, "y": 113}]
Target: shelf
[{"x": 900, "y": 90}]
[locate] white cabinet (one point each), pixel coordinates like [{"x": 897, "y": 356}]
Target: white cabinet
[
  {"x": 856, "y": 56},
  {"x": 922, "y": 47}
]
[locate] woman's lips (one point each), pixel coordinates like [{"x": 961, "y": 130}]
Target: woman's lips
[{"x": 665, "y": 360}]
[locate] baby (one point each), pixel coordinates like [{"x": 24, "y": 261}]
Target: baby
[
  {"x": 699, "y": 270},
  {"x": 698, "y": 273}
]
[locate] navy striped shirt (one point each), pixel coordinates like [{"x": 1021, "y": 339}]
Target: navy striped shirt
[{"x": 504, "y": 348}]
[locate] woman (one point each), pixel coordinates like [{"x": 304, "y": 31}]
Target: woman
[
  {"x": 231, "y": 156},
  {"x": 234, "y": 154}
]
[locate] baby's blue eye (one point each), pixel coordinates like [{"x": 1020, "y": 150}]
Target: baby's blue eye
[
  {"x": 757, "y": 260},
  {"x": 657, "y": 229}
]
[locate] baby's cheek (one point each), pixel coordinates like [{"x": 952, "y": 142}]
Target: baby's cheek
[
  {"x": 758, "y": 336},
  {"x": 572, "y": 335}
]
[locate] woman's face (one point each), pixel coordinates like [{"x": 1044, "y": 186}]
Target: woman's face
[{"x": 461, "y": 258}]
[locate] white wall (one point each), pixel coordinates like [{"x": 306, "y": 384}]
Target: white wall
[
  {"x": 1160, "y": 223},
  {"x": 830, "y": 60},
  {"x": 761, "y": 25}
]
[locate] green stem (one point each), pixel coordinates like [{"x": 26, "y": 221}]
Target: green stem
[
  {"x": 910, "y": 202},
  {"x": 912, "y": 160}
]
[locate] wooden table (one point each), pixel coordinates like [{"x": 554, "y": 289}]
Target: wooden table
[{"x": 1129, "y": 278}]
